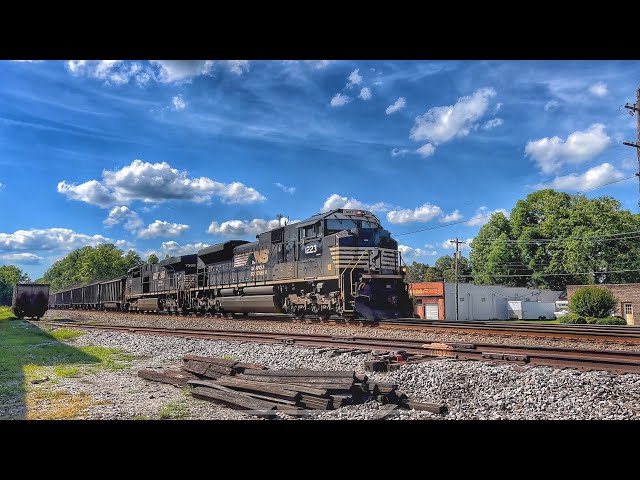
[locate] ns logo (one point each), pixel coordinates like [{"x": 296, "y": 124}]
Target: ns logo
[{"x": 259, "y": 256}]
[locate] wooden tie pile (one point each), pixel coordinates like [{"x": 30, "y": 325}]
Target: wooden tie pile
[{"x": 247, "y": 386}]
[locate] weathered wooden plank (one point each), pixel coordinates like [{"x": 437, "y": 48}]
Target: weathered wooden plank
[
  {"x": 300, "y": 372},
  {"x": 195, "y": 367},
  {"x": 382, "y": 388},
  {"x": 172, "y": 377},
  {"x": 315, "y": 403},
  {"x": 240, "y": 367},
  {"x": 233, "y": 400},
  {"x": 343, "y": 382},
  {"x": 385, "y": 411},
  {"x": 341, "y": 400},
  {"x": 215, "y": 360},
  {"x": 259, "y": 387},
  {"x": 214, "y": 370},
  {"x": 429, "y": 407}
]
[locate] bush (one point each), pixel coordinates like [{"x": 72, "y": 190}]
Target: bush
[
  {"x": 611, "y": 321},
  {"x": 573, "y": 318},
  {"x": 592, "y": 302}
]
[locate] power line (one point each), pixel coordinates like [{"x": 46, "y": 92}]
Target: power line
[
  {"x": 605, "y": 184},
  {"x": 552, "y": 274}
]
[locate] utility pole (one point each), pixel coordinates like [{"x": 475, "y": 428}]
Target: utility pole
[
  {"x": 635, "y": 109},
  {"x": 457, "y": 255}
]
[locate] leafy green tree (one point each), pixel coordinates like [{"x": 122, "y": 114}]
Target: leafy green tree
[
  {"x": 90, "y": 264},
  {"x": 446, "y": 268},
  {"x": 553, "y": 239},
  {"x": 10, "y": 275},
  {"x": 592, "y": 302},
  {"x": 416, "y": 272},
  {"x": 153, "y": 258}
]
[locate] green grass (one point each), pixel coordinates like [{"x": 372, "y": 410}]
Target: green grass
[
  {"x": 5, "y": 313},
  {"x": 538, "y": 322},
  {"x": 66, "y": 333},
  {"x": 173, "y": 410},
  {"x": 228, "y": 357},
  {"x": 141, "y": 417},
  {"x": 28, "y": 353}
]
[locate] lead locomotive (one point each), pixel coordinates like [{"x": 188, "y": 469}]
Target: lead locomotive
[{"x": 340, "y": 262}]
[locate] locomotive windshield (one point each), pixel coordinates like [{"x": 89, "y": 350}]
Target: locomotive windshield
[{"x": 334, "y": 225}]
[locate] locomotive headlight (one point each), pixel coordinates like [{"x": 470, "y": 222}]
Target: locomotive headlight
[{"x": 405, "y": 269}]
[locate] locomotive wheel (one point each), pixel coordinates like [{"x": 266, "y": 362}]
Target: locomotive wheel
[{"x": 324, "y": 315}]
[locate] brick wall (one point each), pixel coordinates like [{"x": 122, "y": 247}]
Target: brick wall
[{"x": 624, "y": 292}]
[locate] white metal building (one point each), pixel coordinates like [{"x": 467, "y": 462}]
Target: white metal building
[{"x": 486, "y": 302}]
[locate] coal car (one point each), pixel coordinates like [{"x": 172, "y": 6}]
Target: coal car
[{"x": 30, "y": 300}]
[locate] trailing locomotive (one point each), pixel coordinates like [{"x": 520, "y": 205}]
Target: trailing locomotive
[{"x": 341, "y": 262}]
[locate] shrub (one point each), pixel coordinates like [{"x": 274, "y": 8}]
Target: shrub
[
  {"x": 572, "y": 318},
  {"x": 611, "y": 321},
  {"x": 592, "y": 302}
]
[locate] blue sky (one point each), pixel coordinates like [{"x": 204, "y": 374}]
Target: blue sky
[{"x": 170, "y": 156}]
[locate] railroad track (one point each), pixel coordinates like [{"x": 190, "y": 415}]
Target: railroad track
[
  {"x": 629, "y": 335},
  {"x": 615, "y": 361}
]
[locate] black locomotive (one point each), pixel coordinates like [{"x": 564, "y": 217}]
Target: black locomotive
[{"x": 341, "y": 262}]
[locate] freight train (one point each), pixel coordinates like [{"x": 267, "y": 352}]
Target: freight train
[{"x": 341, "y": 262}]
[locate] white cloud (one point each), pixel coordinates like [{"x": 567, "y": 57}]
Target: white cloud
[
  {"x": 90, "y": 192},
  {"x": 494, "y": 122},
  {"x": 131, "y": 219},
  {"x": 155, "y": 182},
  {"x": 626, "y": 164},
  {"x": 52, "y": 239},
  {"x": 340, "y": 100},
  {"x": 161, "y": 228},
  {"x": 593, "y": 177},
  {"x": 243, "y": 228},
  {"x": 2, "y": 185},
  {"x": 320, "y": 64},
  {"x": 426, "y": 150},
  {"x": 415, "y": 252},
  {"x": 365, "y": 93},
  {"x": 454, "y": 216},
  {"x": 236, "y": 66},
  {"x": 551, "y": 153},
  {"x": 337, "y": 201},
  {"x": 173, "y": 248},
  {"x": 354, "y": 78},
  {"x": 112, "y": 72},
  {"x": 21, "y": 258},
  {"x": 551, "y": 105},
  {"x": 498, "y": 107},
  {"x": 181, "y": 70},
  {"x": 399, "y": 104},
  {"x": 483, "y": 215},
  {"x": 285, "y": 188},
  {"x": 399, "y": 151},
  {"x": 599, "y": 89},
  {"x": 441, "y": 124},
  {"x": 463, "y": 246},
  {"x": 178, "y": 103},
  {"x": 424, "y": 213}
]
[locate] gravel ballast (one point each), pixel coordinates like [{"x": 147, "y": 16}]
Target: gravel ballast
[{"x": 471, "y": 390}]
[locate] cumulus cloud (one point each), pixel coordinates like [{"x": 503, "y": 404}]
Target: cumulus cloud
[
  {"x": 551, "y": 105},
  {"x": 155, "y": 182},
  {"x": 242, "y": 228},
  {"x": 594, "y": 177},
  {"x": 424, "y": 213},
  {"x": 454, "y": 216},
  {"x": 399, "y": 151},
  {"x": 161, "y": 228},
  {"x": 131, "y": 219},
  {"x": 441, "y": 124},
  {"x": 2, "y": 186},
  {"x": 236, "y": 66},
  {"x": 285, "y": 188},
  {"x": 408, "y": 252},
  {"x": 426, "y": 150},
  {"x": 112, "y": 72},
  {"x": 354, "y": 78},
  {"x": 340, "y": 100},
  {"x": 599, "y": 89},
  {"x": 399, "y": 104},
  {"x": 338, "y": 201},
  {"x": 498, "y": 107},
  {"x": 21, "y": 258},
  {"x": 483, "y": 215},
  {"x": 365, "y": 93},
  {"x": 178, "y": 103},
  {"x": 181, "y": 70},
  {"x": 493, "y": 123},
  {"x": 463, "y": 246},
  {"x": 551, "y": 153},
  {"x": 320, "y": 64},
  {"x": 173, "y": 248},
  {"x": 36, "y": 239}
]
